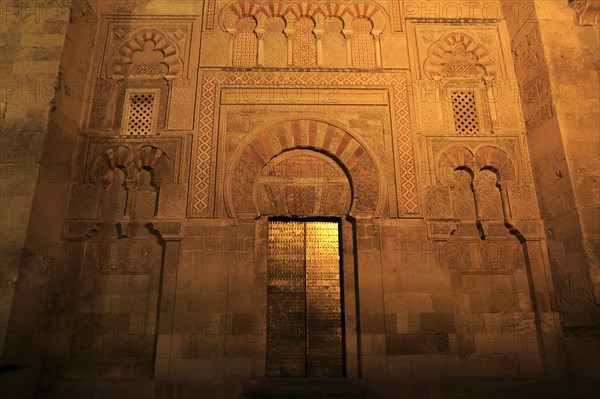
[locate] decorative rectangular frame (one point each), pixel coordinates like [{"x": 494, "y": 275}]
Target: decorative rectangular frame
[{"x": 203, "y": 176}]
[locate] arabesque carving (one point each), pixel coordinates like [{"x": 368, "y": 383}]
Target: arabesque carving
[{"x": 304, "y": 44}]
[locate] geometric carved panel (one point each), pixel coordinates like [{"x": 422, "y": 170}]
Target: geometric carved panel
[
  {"x": 304, "y": 44},
  {"x": 302, "y": 190},
  {"x": 397, "y": 6},
  {"x": 363, "y": 44},
  {"x": 245, "y": 44}
]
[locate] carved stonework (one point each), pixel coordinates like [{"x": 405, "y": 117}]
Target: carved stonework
[
  {"x": 211, "y": 123},
  {"x": 304, "y": 25},
  {"x": 129, "y": 182},
  {"x": 363, "y": 44},
  {"x": 457, "y": 55},
  {"x": 245, "y": 43},
  {"x": 201, "y": 201},
  {"x": 135, "y": 194},
  {"x": 479, "y": 183},
  {"x": 290, "y": 182},
  {"x": 147, "y": 53},
  {"x": 304, "y": 44},
  {"x": 130, "y": 159},
  {"x": 303, "y": 183},
  {"x": 118, "y": 257},
  {"x": 586, "y": 11},
  {"x": 209, "y": 22},
  {"x": 397, "y": 6},
  {"x": 140, "y": 112}
]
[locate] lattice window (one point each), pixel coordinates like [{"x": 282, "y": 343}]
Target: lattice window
[
  {"x": 140, "y": 114},
  {"x": 466, "y": 119}
]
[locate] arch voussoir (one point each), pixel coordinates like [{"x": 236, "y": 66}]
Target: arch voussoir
[{"x": 302, "y": 138}]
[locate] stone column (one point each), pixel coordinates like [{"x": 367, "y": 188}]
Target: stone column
[
  {"x": 289, "y": 34},
  {"x": 377, "y": 50},
  {"x": 491, "y": 100},
  {"x": 319, "y": 36},
  {"x": 348, "y": 36},
  {"x": 260, "y": 34},
  {"x": 230, "y": 56}
]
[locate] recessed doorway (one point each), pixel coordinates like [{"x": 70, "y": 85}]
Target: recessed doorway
[{"x": 305, "y": 326}]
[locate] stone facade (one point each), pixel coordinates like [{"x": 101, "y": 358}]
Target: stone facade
[
  {"x": 29, "y": 78},
  {"x": 467, "y": 211}
]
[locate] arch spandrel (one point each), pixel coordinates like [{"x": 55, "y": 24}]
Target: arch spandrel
[{"x": 358, "y": 173}]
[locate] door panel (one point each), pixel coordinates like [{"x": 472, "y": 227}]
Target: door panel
[
  {"x": 286, "y": 327},
  {"x": 323, "y": 305},
  {"x": 304, "y": 317}
]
